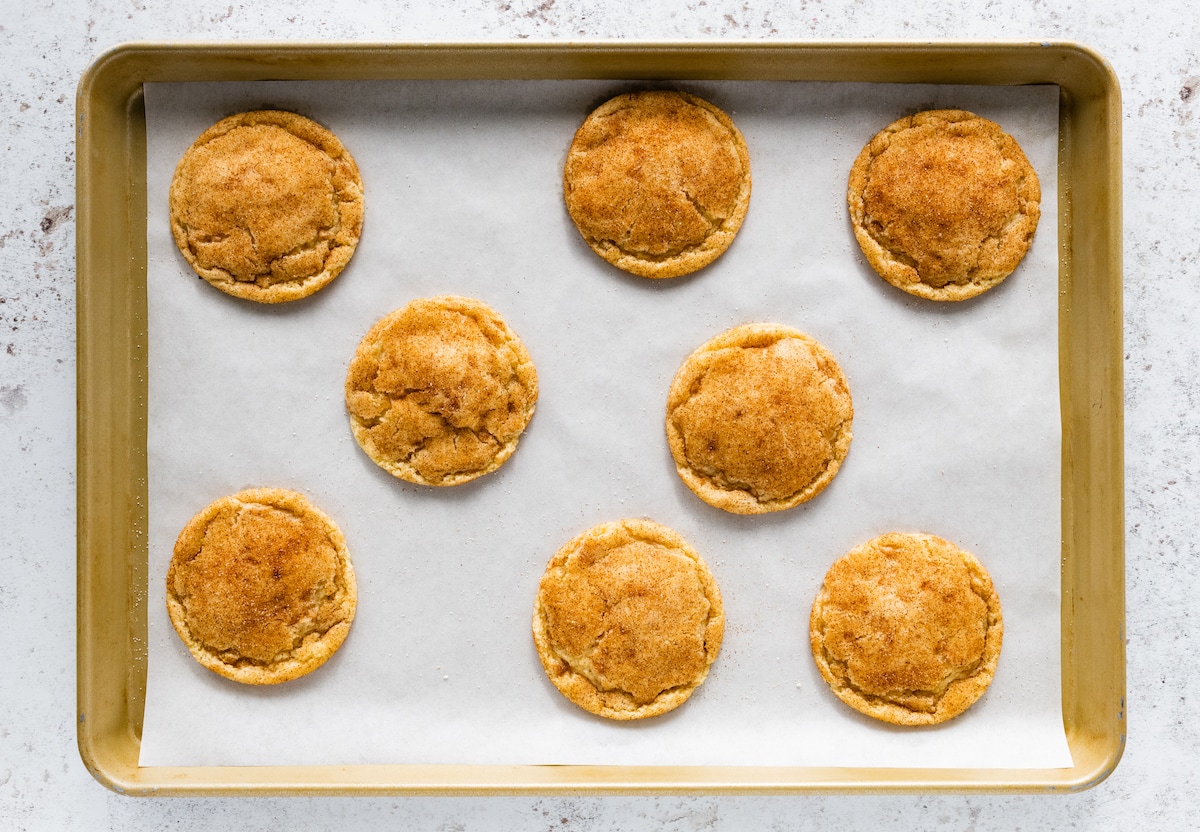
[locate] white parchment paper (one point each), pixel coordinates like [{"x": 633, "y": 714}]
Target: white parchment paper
[{"x": 956, "y": 432}]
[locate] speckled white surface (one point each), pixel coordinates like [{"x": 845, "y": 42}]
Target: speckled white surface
[{"x": 1155, "y": 50}]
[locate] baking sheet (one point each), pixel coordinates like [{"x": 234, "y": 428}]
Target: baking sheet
[{"x": 956, "y": 433}]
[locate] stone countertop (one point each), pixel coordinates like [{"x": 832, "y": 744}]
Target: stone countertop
[{"x": 47, "y": 44}]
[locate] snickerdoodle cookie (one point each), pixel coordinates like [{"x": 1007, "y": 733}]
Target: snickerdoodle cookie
[
  {"x": 658, "y": 182},
  {"x": 628, "y": 620},
  {"x": 907, "y": 628},
  {"x": 759, "y": 419},
  {"x": 440, "y": 390},
  {"x": 944, "y": 204},
  {"x": 260, "y": 587},
  {"x": 267, "y": 205}
]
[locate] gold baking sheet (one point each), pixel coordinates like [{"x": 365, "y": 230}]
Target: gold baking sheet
[{"x": 112, "y": 309}]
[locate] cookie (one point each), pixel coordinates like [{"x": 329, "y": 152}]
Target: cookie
[
  {"x": 260, "y": 587},
  {"x": 944, "y": 204},
  {"x": 440, "y": 390},
  {"x": 658, "y": 182},
  {"x": 907, "y": 629},
  {"x": 628, "y": 620},
  {"x": 759, "y": 419},
  {"x": 267, "y": 206}
]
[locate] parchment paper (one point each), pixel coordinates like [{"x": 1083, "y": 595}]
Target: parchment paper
[{"x": 956, "y": 432}]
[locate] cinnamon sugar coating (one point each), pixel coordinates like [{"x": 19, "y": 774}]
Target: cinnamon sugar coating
[
  {"x": 944, "y": 204},
  {"x": 907, "y": 628},
  {"x": 260, "y": 587},
  {"x": 267, "y": 205},
  {"x": 658, "y": 182},
  {"x": 440, "y": 391},
  {"x": 628, "y": 620},
  {"x": 759, "y": 419}
]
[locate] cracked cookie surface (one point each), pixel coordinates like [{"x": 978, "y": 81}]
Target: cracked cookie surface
[
  {"x": 440, "y": 391},
  {"x": 944, "y": 204},
  {"x": 658, "y": 182},
  {"x": 907, "y": 629},
  {"x": 267, "y": 205},
  {"x": 260, "y": 587},
  {"x": 759, "y": 419},
  {"x": 628, "y": 620}
]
